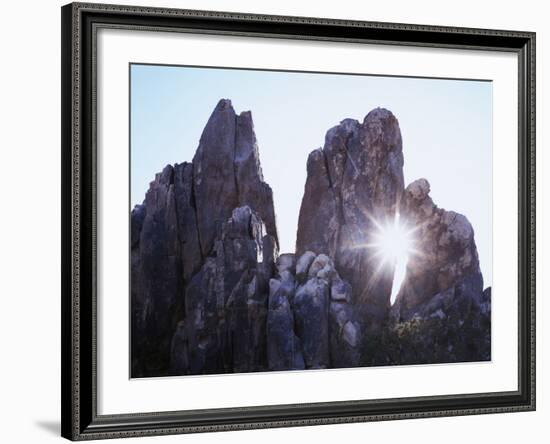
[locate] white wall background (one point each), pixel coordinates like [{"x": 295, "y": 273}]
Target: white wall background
[{"x": 30, "y": 220}]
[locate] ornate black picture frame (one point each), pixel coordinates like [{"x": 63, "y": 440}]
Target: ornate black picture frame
[{"x": 80, "y": 419}]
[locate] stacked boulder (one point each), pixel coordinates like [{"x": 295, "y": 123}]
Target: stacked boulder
[{"x": 313, "y": 303}]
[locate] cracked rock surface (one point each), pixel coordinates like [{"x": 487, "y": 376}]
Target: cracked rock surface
[{"x": 354, "y": 182}]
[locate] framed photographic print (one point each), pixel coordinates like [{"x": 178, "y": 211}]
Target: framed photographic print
[{"x": 280, "y": 221}]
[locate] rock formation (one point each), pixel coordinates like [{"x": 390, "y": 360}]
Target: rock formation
[
  {"x": 175, "y": 230},
  {"x": 447, "y": 255},
  {"x": 354, "y": 182},
  {"x": 442, "y": 294},
  {"x": 211, "y": 293},
  {"x": 310, "y": 320},
  {"x": 226, "y": 301},
  {"x": 157, "y": 275},
  {"x": 227, "y": 174}
]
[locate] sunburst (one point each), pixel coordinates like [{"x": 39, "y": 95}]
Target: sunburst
[{"x": 394, "y": 243}]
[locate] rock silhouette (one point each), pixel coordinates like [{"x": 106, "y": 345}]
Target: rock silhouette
[
  {"x": 442, "y": 294},
  {"x": 447, "y": 251},
  {"x": 354, "y": 180},
  {"x": 227, "y": 174},
  {"x": 211, "y": 293}
]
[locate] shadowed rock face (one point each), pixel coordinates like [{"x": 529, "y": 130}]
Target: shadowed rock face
[
  {"x": 311, "y": 319},
  {"x": 157, "y": 278},
  {"x": 226, "y": 301},
  {"x": 211, "y": 294},
  {"x": 355, "y": 180},
  {"x": 175, "y": 230},
  {"x": 447, "y": 254},
  {"x": 227, "y": 174},
  {"x": 246, "y": 311},
  {"x": 441, "y": 313}
]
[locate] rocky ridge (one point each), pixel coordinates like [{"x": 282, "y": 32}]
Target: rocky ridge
[{"x": 211, "y": 293}]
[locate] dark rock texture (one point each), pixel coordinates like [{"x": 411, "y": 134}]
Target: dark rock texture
[
  {"x": 284, "y": 348},
  {"x": 226, "y": 303},
  {"x": 344, "y": 326},
  {"x": 447, "y": 254},
  {"x": 245, "y": 289},
  {"x": 157, "y": 283},
  {"x": 227, "y": 174},
  {"x": 175, "y": 230},
  {"x": 452, "y": 326},
  {"x": 188, "y": 232},
  {"x": 352, "y": 183},
  {"x": 311, "y": 312},
  {"x": 202, "y": 299},
  {"x": 441, "y": 312},
  {"x": 211, "y": 293},
  {"x": 311, "y": 317}
]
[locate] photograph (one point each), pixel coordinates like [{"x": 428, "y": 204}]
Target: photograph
[
  {"x": 293, "y": 220},
  {"x": 302, "y": 218}
]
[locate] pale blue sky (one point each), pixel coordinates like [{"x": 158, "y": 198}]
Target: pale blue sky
[{"x": 446, "y": 127}]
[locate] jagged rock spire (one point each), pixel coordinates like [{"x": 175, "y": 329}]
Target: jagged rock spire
[
  {"x": 227, "y": 174},
  {"x": 174, "y": 231},
  {"x": 354, "y": 182}
]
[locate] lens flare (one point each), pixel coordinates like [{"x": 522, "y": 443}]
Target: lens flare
[{"x": 394, "y": 243}]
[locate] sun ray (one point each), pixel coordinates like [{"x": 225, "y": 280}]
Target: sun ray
[{"x": 393, "y": 243}]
